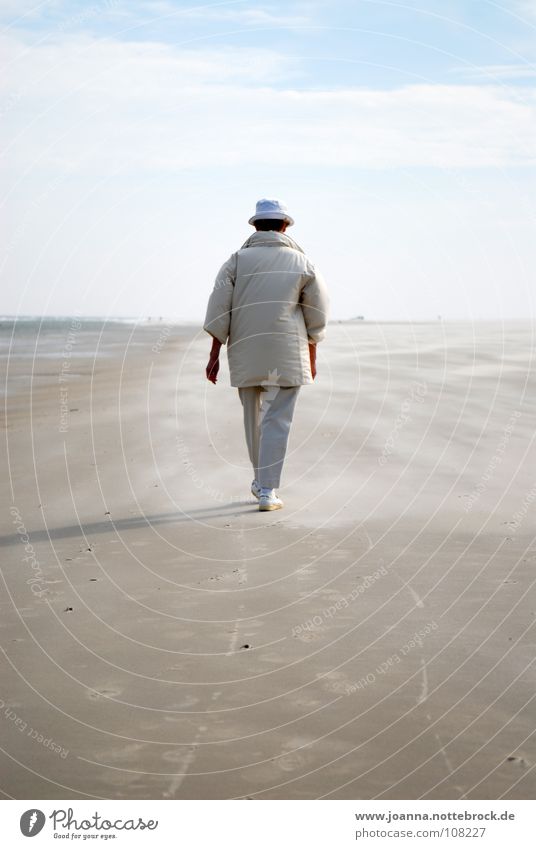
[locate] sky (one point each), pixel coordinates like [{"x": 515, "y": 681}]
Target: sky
[{"x": 137, "y": 136}]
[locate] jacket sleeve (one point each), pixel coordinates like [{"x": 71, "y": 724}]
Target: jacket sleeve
[
  {"x": 314, "y": 302},
  {"x": 218, "y": 317}
]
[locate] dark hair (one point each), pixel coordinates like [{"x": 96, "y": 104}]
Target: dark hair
[{"x": 265, "y": 224}]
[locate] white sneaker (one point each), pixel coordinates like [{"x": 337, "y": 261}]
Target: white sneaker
[
  {"x": 268, "y": 500},
  {"x": 255, "y": 489}
]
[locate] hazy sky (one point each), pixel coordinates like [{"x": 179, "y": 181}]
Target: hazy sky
[{"x": 138, "y": 135}]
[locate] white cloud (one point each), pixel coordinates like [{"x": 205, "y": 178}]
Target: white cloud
[
  {"x": 130, "y": 70},
  {"x": 249, "y": 17},
  {"x": 496, "y": 73},
  {"x": 234, "y": 12},
  {"x": 66, "y": 16},
  {"x": 18, "y": 8},
  {"x": 103, "y": 104},
  {"x": 526, "y": 7}
]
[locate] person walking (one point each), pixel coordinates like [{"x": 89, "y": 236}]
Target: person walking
[{"x": 269, "y": 305}]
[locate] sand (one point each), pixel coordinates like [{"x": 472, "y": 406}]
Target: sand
[{"x": 374, "y": 640}]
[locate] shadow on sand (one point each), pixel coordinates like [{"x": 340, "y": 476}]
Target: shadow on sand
[{"x": 132, "y": 523}]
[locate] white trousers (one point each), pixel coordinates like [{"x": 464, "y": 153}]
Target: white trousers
[{"x": 268, "y": 412}]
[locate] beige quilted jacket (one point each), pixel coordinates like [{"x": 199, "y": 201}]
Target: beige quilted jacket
[{"x": 268, "y": 302}]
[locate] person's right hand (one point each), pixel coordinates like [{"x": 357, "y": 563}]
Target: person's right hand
[{"x": 213, "y": 368}]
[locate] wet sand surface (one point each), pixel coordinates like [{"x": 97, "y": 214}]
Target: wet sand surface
[{"x": 375, "y": 639}]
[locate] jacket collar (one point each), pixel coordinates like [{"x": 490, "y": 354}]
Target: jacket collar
[{"x": 271, "y": 237}]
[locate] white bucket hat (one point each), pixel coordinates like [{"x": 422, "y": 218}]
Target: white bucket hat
[{"x": 266, "y": 208}]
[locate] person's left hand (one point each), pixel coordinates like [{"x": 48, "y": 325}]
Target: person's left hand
[{"x": 312, "y": 359}]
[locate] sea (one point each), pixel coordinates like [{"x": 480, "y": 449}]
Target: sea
[{"x": 34, "y": 350}]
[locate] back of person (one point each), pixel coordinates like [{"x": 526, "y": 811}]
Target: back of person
[{"x": 268, "y": 337}]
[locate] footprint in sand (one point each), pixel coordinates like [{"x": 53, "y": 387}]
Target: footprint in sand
[
  {"x": 337, "y": 682},
  {"x": 185, "y": 703},
  {"x": 129, "y": 752},
  {"x": 119, "y": 779},
  {"x": 181, "y": 756},
  {"x": 291, "y": 762},
  {"x": 308, "y": 636},
  {"x": 104, "y": 693},
  {"x": 518, "y": 761},
  {"x": 211, "y": 578}
]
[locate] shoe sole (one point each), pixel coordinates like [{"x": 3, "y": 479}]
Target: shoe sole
[{"x": 265, "y": 508}]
